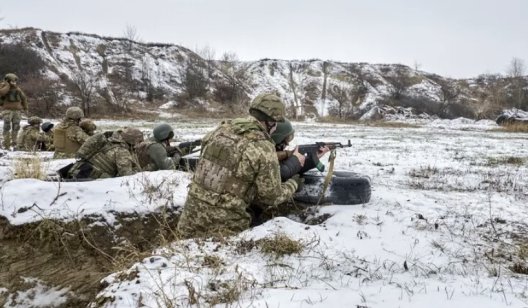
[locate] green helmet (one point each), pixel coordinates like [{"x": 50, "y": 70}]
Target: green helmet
[
  {"x": 283, "y": 131},
  {"x": 46, "y": 126},
  {"x": 34, "y": 121},
  {"x": 132, "y": 135},
  {"x": 267, "y": 107},
  {"x": 74, "y": 113},
  {"x": 87, "y": 125},
  {"x": 11, "y": 77},
  {"x": 163, "y": 132}
]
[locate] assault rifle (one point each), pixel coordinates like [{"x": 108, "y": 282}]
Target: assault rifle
[
  {"x": 183, "y": 148},
  {"x": 311, "y": 150}
]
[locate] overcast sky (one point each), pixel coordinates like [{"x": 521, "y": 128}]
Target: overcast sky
[{"x": 456, "y": 38}]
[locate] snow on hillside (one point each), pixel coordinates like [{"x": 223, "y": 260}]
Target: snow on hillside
[
  {"x": 444, "y": 228},
  {"x": 123, "y": 69}
]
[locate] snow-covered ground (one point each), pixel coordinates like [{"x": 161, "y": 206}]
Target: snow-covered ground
[{"x": 444, "y": 226}]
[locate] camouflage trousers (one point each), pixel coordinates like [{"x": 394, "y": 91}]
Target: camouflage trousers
[
  {"x": 11, "y": 126},
  {"x": 200, "y": 219}
]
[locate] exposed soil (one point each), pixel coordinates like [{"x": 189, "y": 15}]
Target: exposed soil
[{"x": 76, "y": 255}]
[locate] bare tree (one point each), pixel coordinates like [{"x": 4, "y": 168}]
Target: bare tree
[
  {"x": 231, "y": 88},
  {"x": 341, "y": 95},
  {"x": 516, "y": 72},
  {"x": 326, "y": 72},
  {"x": 297, "y": 80},
  {"x": 195, "y": 82},
  {"x": 516, "y": 68},
  {"x": 401, "y": 80},
  {"x": 84, "y": 85},
  {"x": 208, "y": 54},
  {"x": 491, "y": 96},
  {"x": 131, "y": 36}
]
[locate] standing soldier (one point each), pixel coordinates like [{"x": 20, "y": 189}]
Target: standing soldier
[
  {"x": 31, "y": 138},
  {"x": 88, "y": 126},
  {"x": 68, "y": 136},
  {"x": 47, "y": 128},
  {"x": 13, "y": 101},
  {"x": 238, "y": 166}
]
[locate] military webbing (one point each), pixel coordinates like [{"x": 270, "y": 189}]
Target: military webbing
[
  {"x": 328, "y": 177},
  {"x": 98, "y": 160}
]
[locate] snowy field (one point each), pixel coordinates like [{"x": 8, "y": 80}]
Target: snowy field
[{"x": 445, "y": 227}]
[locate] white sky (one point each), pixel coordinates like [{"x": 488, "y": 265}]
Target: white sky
[{"x": 456, "y": 38}]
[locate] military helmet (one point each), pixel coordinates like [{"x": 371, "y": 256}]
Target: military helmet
[
  {"x": 283, "y": 132},
  {"x": 74, "y": 113},
  {"x": 11, "y": 77},
  {"x": 46, "y": 126},
  {"x": 87, "y": 125},
  {"x": 132, "y": 135},
  {"x": 163, "y": 132},
  {"x": 34, "y": 120},
  {"x": 267, "y": 107}
]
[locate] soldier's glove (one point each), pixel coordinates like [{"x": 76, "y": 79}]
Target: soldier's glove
[{"x": 299, "y": 181}]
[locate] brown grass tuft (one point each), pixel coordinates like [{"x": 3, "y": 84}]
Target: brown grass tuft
[
  {"x": 29, "y": 167},
  {"x": 508, "y": 160},
  {"x": 280, "y": 245},
  {"x": 513, "y": 128}
]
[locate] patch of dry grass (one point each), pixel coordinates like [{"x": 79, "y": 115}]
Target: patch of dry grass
[
  {"x": 389, "y": 124},
  {"x": 280, "y": 245},
  {"x": 513, "y": 128},
  {"x": 372, "y": 123},
  {"x": 423, "y": 172},
  {"x": 29, "y": 167},
  {"x": 508, "y": 160}
]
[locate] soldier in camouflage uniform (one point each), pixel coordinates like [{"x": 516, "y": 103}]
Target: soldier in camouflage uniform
[
  {"x": 47, "y": 128},
  {"x": 238, "y": 166},
  {"x": 13, "y": 101},
  {"x": 88, "y": 126},
  {"x": 116, "y": 157},
  {"x": 68, "y": 136},
  {"x": 293, "y": 162},
  {"x": 152, "y": 153},
  {"x": 31, "y": 138}
]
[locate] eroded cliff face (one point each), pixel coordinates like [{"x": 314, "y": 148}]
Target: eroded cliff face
[{"x": 118, "y": 71}]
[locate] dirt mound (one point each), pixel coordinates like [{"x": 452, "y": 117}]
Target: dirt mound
[{"x": 71, "y": 258}]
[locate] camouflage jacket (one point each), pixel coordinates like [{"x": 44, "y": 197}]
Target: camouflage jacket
[
  {"x": 14, "y": 99},
  {"x": 31, "y": 138},
  {"x": 238, "y": 166},
  {"x": 152, "y": 156},
  {"x": 114, "y": 159},
  {"x": 68, "y": 138}
]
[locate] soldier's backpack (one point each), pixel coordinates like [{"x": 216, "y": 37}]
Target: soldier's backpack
[{"x": 93, "y": 145}]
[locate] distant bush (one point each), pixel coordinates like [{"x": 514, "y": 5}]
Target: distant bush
[{"x": 23, "y": 61}]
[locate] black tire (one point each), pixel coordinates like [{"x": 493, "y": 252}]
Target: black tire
[{"x": 345, "y": 187}]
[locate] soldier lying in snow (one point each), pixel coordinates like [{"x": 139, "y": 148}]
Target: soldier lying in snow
[
  {"x": 156, "y": 153},
  {"x": 106, "y": 155}
]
